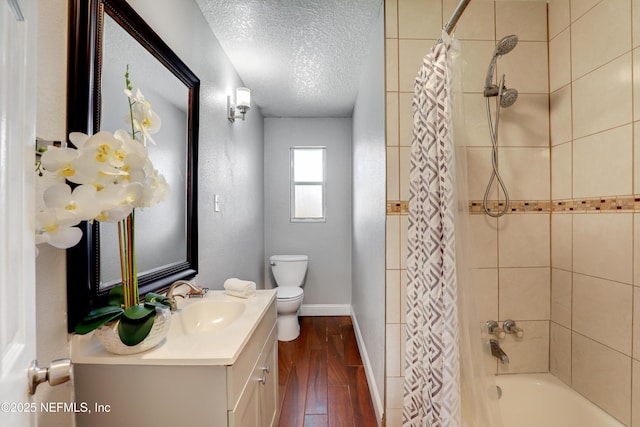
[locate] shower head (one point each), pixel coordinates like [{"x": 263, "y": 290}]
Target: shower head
[
  {"x": 508, "y": 97},
  {"x": 504, "y": 46}
]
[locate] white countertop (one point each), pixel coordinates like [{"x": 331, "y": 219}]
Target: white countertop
[{"x": 218, "y": 347}]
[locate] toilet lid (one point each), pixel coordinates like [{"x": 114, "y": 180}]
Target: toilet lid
[{"x": 289, "y": 292}]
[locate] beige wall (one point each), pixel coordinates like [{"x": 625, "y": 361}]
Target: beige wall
[
  {"x": 595, "y": 247},
  {"x": 512, "y": 254}
]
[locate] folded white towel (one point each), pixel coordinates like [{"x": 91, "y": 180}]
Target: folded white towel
[{"x": 240, "y": 288}]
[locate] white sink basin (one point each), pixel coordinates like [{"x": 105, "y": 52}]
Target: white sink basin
[
  {"x": 211, "y": 331},
  {"x": 208, "y": 315}
]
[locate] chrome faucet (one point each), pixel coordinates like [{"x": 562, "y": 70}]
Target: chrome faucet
[
  {"x": 498, "y": 352},
  {"x": 194, "y": 291}
]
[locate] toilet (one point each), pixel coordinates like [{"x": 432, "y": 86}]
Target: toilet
[{"x": 289, "y": 272}]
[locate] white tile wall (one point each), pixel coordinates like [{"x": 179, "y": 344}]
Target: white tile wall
[
  {"x": 595, "y": 324},
  {"x": 560, "y": 60},
  {"x": 602, "y": 375},
  {"x": 529, "y": 354},
  {"x": 561, "y": 297},
  {"x": 589, "y": 49},
  {"x": 560, "y": 116},
  {"x": 525, "y": 172},
  {"x": 526, "y": 123},
  {"x": 602, "y": 310},
  {"x": 524, "y": 293},
  {"x": 524, "y": 240},
  {"x": 560, "y": 352},
  {"x": 561, "y": 171},
  {"x": 602, "y": 246},
  {"x": 614, "y": 148},
  {"x": 602, "y": 99},
  {"x": 559, "y": 16}
]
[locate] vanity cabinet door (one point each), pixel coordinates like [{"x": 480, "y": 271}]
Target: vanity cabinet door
[
  {"x": 257, "y": 404},
  {"x": 269, "y": 389},
  {"x": 247, "y": 413}
]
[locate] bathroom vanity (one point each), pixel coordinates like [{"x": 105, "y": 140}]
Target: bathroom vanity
[{"x": 217, "y": 367}]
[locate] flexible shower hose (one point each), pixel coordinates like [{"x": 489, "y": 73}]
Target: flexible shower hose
[{"x": 495, "y": 174}]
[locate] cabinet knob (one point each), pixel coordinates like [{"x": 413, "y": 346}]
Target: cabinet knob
[
  {"x": 266, "y": 369},
  {"x": 262, "y": 379}
]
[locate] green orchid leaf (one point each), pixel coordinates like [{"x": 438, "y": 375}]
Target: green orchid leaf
[
  {"x": 103, "y": 311},
  {"x": 90, "y": 323},
  {"x": 138, "y": 312},
  {"x": 116, "y": 296},
  {"x": 133, "y": 332}
]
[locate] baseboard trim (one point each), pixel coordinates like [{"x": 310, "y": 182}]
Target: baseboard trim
[
  {"x": 378, "y": 406},
  {"x": 325, "y": 310}
]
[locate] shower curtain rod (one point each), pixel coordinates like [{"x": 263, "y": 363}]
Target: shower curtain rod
[{"x": 456, "y": 15}]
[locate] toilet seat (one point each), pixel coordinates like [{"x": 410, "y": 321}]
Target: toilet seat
[{"x": 288, "y": 293}]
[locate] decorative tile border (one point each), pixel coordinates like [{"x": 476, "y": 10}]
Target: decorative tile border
[
  {"x": 611, "y": 204},
  {"x": 397, "y": 207},
  {"x": 516, "y": 206},
  {"x": 601, "y": 204}
]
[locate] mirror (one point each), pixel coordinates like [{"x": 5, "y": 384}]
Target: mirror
[{"x": 105, "y": 37}]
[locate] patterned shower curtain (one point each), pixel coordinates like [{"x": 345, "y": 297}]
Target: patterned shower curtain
[{"x": 432, "y": 366}]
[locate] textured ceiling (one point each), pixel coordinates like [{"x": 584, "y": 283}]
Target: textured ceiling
[{"x": 300, "y": 58}]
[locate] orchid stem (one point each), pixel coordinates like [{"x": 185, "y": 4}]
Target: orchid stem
[{"x": 123, "y": 266}]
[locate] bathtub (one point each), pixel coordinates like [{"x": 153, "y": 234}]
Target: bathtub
[{"x": 542, "y": 400}]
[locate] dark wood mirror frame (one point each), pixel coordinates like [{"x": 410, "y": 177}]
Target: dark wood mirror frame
[{"x": 83, "y": 115}]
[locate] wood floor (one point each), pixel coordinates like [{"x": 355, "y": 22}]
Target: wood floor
[{"x": 321, "y": 377}]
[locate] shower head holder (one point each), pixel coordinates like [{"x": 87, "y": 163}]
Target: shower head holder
[{"x": 491, "y": 91}]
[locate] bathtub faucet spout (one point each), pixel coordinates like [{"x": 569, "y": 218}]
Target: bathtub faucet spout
[{"x": 498, "y": 352}]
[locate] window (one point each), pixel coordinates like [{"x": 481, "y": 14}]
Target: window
[{"x": 308, "y": 184}]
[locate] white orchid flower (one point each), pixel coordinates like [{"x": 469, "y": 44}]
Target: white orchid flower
[
  {"x": 113, "y": 172},
  {"x": 60, "y": 160},
  {"x": 132, "y": 152},
  {"x": 81, "y": 202},
  {"x": 95, "y": 157},
  {"x": 118, "y": 201},
  {"x": 104, "y": 147},
  {"x": 100, "y": 159},
  {"x": 156, "y": 190},
  {"x": 143, "y": 118},
  {"x": 56, "y": 227}
]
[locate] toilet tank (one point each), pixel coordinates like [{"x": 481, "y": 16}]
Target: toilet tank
[{"x": 289, "y": 270}]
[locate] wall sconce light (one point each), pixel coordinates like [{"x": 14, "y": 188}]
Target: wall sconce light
[{"x": 243, "y": 103}]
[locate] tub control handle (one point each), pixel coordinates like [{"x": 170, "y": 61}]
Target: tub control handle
[
  {"x": 495, "y": 330},
  {"x": 511, "y": 328}
]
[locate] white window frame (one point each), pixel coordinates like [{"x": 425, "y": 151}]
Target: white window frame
[{"x": 322, "y": 183}]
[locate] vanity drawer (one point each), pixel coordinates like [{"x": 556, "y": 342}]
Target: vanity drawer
[{"x": 240, "y": 372}]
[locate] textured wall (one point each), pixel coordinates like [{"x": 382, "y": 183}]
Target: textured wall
[
  {"x": 230, "y": 159},
  {"x": 328, "y": 244},
  {"x": 368, "y": 295}
]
